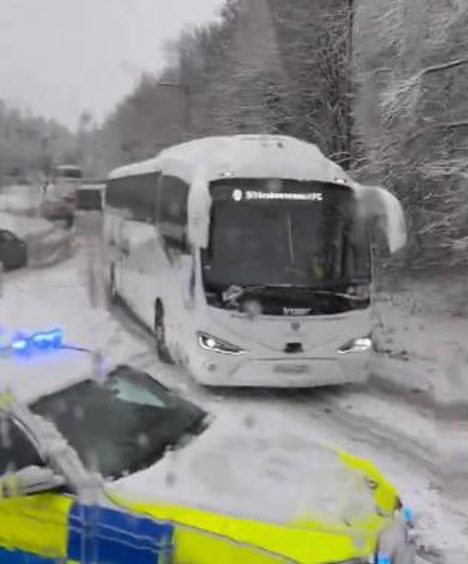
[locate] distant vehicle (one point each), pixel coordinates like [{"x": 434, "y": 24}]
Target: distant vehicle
[
  {"x": 67, "y": 177},
  {"x": 250, "y": 258},
  {"x": 90, "y": 197},
  {"x": 13, "y": 251},
  {"x": 59, "y": 194},
  {"x": 116, "y": 466},
  {"x": 63, "y": 183},
  {"x": 67, "y": 171}
]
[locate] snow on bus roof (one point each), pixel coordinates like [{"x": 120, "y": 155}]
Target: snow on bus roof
[
  {"x": 144, "y": 167},
  {"x": 247, "y": 156}
]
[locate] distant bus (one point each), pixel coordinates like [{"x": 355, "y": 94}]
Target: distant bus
[
  {"x": 65, "y": 180},
  {"x": 90, "y": 197},
  {"x": 250, "y": 259},
  {"x": 70, "y": 172}
]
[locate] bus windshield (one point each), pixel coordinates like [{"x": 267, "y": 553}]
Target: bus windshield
[{"x": 285, "y": 233}]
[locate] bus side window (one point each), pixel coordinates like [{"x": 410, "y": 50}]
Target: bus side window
[
  {"x": 173, "y": 215},
  {"x": 147, "y": 196},
  {"x": 136, "y": 196}
]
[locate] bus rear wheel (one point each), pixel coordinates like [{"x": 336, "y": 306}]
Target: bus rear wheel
[{"x": 160, "y": 336}]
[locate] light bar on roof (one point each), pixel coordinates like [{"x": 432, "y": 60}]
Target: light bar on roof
[{"x": 25, "y": 344}]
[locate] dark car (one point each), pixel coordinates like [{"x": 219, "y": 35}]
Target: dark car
[{"x": 13, "y": 251}]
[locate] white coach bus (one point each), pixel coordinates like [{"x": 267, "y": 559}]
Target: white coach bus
[{"x": 249, "y": 257}]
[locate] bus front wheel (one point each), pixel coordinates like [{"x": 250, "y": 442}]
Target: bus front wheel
[{"x": 160, "y": 335}]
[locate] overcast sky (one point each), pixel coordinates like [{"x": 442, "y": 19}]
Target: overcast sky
[{"x": 60, "y": 57}]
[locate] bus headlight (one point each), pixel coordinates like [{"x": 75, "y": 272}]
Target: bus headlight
[
  {"x": 361, "y": 344},
  {"x": 210, "y": 343}
]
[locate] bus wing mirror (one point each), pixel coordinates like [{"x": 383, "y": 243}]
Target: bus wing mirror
[{"x": 384, "y": 213}]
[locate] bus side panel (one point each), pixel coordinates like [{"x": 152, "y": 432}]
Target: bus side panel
[
  {"x": 152, "y": 273},
  {"x": 131, "y": 208},
  {"x": 175, "y": 256}
]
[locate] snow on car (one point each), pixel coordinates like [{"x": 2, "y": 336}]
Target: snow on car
[{"x": 112, "y": 462}]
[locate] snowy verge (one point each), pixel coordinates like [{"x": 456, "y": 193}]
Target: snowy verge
[{"x": 420, "y": 334}]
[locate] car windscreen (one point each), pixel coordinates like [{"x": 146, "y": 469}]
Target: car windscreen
[
  {"x": 123, "y": 426},
  {"x": 285, "y": 232}
]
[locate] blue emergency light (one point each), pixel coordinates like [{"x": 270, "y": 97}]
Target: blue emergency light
[{"x": 25, "y": 344}]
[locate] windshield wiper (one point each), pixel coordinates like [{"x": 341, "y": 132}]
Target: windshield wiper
[
  {"x": 334, "y": 293},
  {"x": 235, "y": 292}
]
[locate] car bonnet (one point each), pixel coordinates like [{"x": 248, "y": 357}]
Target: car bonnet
[{"x": 278, "y": 476}]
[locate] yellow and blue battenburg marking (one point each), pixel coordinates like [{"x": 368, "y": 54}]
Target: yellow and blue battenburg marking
[
  {"x": 55, "y": 529},
  {"x": 52, "y": 529},
  {"x": 109, "y": 536},
  {"x": 8, "y": 557},
  {"x": 34, "y": 529}
]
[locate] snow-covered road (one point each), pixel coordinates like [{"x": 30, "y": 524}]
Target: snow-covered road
[{"x": 423, "y": 457}]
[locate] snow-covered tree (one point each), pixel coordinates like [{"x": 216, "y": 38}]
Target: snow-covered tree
[
  {"x": 29, "y": 145},
  {"x": 265, "y": 66},
  {"x": 411, "y": 67}
]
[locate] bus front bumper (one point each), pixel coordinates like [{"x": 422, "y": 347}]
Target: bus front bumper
[{"x": 214, "y": 369}]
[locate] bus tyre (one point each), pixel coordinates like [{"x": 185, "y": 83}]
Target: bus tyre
[{"x": 160, "y": 336}]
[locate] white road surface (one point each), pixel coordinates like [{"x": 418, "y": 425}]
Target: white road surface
[{"x": 425, "y": 457}]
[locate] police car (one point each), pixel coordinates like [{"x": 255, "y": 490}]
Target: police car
[{"x": 107, "y": 466}]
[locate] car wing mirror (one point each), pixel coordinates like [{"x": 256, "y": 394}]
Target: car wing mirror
[
  {"x": 29, "y": 481},
  {"x": 384, "y": 213}
]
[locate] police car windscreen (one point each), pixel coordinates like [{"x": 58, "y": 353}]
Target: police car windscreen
[
  {"x": 122, "y": 427},
  {"x": 284, "y": 232}
]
